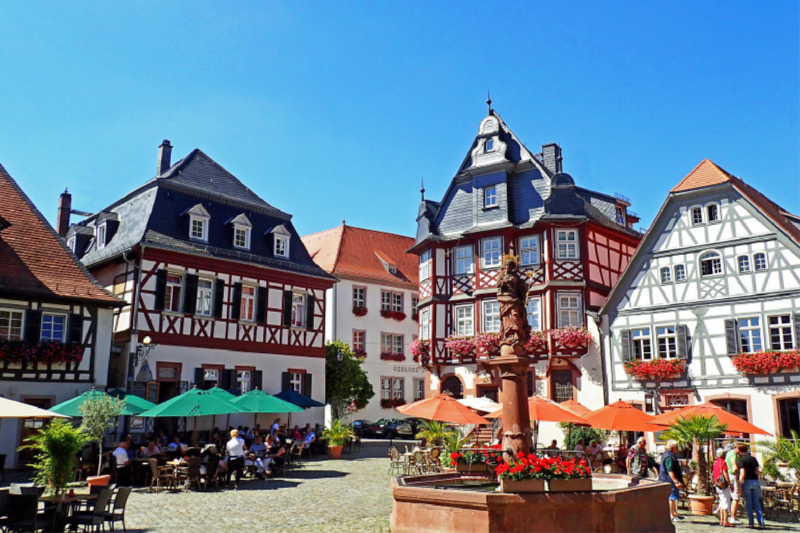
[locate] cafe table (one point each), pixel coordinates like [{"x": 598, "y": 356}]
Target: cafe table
[{"x": 64, "y": 504}]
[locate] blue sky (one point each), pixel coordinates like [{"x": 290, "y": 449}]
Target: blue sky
[{"x": 335, "y": 111}]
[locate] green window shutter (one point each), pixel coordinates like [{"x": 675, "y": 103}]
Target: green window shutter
[
  {"x": 261, "y": 305},
  {"x": 190, "y": 301},
  {"x": 219, "y": 297}
]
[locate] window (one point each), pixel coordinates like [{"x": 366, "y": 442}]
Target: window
[
  {"x": 415, "y": 305},
  {"x": 642, "y": 348},
  {"x": 281, "y": 246},
  {"x": 750, "y": 334},
  {"x": 490, "y": 197},
  {"x": 359, "y": 297},
  {"x": 359, "y": 340},
  {"x": 533, "y": 310},
  {"x": 210, "y": 378},
  {"x": 744, "y": 263},
  {"x": 243, "y": 381},
  {"x": 789, "y": 416},
  {"x": 398, "y": 344},
  {"x": 464, "y": 260},
  {"x": 454, "y": 386},
  {"x": 464, "y": 320},
  {"x": 697, "y": 216},
  {"x": 680, "y": 273},
  {"x": 198, "y": 230},
  {"x": 397, "y": 388},
  {"x": 419, "y": 389},
  {"x": 760, "y": 261},
  {"x": 561, "y": 381},
  {"x": 172, "y": 297},
  {"x": 425, "y": 265},
  {"x": 247, "y": 311},
  {"x": 71, "y": 244},
  {"x": 425, "y": 324},
  {"x": 397, "y": 302},
  {"x": 620, "y": 216},
  {"x": 488, "y": 146},
  {"x": 666, "y": 275},
  {"x": 298, "y": 310},
  {"x": 296, "y": 382},
  {"x": 11, "y": 325},
  {"x": 391, "y": 343},
  {"x": 710, "y": 264},
  {"x": 529, "y": 249},
  {"x": 667, "y": 342},
  {"x": 490, "y": 252},
  {"x": 780, "y": 332},
  {"x": 205, "y": 291},
  {"x": 491, "y": 316},
  {"x": 392, "y": 301},
  {"x": 392, "y": 389},
  {"x": 713, "y": 213},
  {"x": 567, "y": 244},
  {"x": 101, "y": 236},
  {"x": 241, "y": 237},
  {"x": 569, "y": 310},
  {"x": 386, "y": 388}
]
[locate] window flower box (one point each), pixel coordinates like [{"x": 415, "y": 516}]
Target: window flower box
[
  {"x": 767, "y": 362},
  {"x": 394, "y": 315},
  {"x": 391, "y": 403},
  {"x": 571, "y": 337},
  {"x": 655, "y": 369},
  {"x": 26, "y": 354},
  {"x": 391, "y": 356},
  {"x": 537, "y": 343},
  {"x": 487, "y": 343},
  {"x": 474, "y": 460},
  {"x": 460, "y": 345},
  {"x": 359, "y": 311},
  {"x": 360, "y": 354}
]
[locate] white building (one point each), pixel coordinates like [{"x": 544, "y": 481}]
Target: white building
[
  {"x": 373, "y": 307},
  {"x": 718, "y": 274}
]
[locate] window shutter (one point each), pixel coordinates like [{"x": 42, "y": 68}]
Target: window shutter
[
  {"x": 236, "y": 303},
  {"x": 625, "y": 342},
  {"x": 258, "y": 378},
  {"x": 307, "y": 385},
  {"x": 75, "y": 328},
  {"x": 732, "y": 336},
  {"x": 796, "y": 320},
  {"x": 33, "y": 326},
  {"x": 287, "y": 308},
  {"x": 199, "y": 378},
  {"x": 190, "y": 302},
  {"x": 227, "y": 378},
  {"x": 219, "y": 297},
  {"x": 683, "y": 341},
  {"x": 270, "y": 240},
  {"x": 261, "y": 305},
  {"x": 286, "y": 380},
  {"x": 161, "y": 288},
  {"x": 310, "y": 303}
]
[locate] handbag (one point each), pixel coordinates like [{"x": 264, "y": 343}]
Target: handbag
[{"x": 721, "y": 483}]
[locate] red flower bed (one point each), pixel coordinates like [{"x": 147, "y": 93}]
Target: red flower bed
[
  {"x": 766, "y": 362},
  {"x": 394, "y": 315},
  {"x": 388, "y": 403},
  {"x": 40, "y": 352},
  {"x": 488, "y": 343},
  {"x": 655, "y": 369},
  {"x": 391, "y": 356},
  {"x": 571, "y": 337},
  {"x": 537, "y": 343},
  {"x": 460, "y": 345},
  {"x": 359, "y": 311},
  {"x": 532, "y": 467},
  {"x": 360, "y": 354}
]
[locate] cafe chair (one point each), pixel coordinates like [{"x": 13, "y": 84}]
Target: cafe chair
[
  {"x": 3, "y": 466},
  {"x": 212, "y": 472},
  {"x": 94, "y": 518},
  {"x": 160, "y": 475},
  {"x": 23, "y": 514},
  {"x": 117, "y": 513},
  {"x": 4, "y": 509},
  {"x": 193, "y": 477}
]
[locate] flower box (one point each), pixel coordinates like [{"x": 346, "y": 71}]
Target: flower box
[
  {"x": 767, "y": 362},
  {"x": 570, "y": 485},
  {"x": 415, "y": 317},
  {"x": 571, "y": 337},
  {"x": 537, "y": 343},
  {"x": 474, "y": 467},
  {"x": 391, "y": 356},
  {"x": 460, "y": 345},
  {"x": 524, "y": 485},
  {"x": 43, "y": 353},
  {"x": 792, "y": 370},
  {"x": 655, "y": 369},
  {"x": 359, "y": 311},
  {"x": 360, "y": 354},
  {"x": 487, "y": 343},
  {"x": 388, "y": 403},
  {"x": 394, "y": 315}
]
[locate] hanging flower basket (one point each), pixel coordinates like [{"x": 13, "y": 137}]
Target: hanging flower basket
[
  {"x": 394, "y": 315},
  {"x": 420, "y": 348},
  {"x": 460, "y": 345},
  {"x": 537, "y": 343},
  {"x": 571, "y": 337},
  {"x": 29, "y": 353},
  {"x": 360, "y": 354},
  {"x": 359, "y": 310},
  {"x": 391, "y": 356},
  {"x": 655, "y": 369},
  {"x": 767, "y": 362},
  {"x": 487, "y": 343}
]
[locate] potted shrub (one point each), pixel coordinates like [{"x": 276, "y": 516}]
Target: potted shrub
[
  {"x": 698, "y": 431},
  {"x": 57, "y": 444},
  {"x": 779, "y": 454},
  {"x": 97, "y": 413},
  {"x": 337, "y": 436},
  {"x": 434, "y": 432}
]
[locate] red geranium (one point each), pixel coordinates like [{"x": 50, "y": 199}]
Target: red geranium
[
  {"x": 766, "y": 362},
  {"x": 655, "y": 369}
]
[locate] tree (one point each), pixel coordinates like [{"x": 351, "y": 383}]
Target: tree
[
  {"x": 783, "y": 451},
  {"x": 573, "y": 433},
  {"x": 58, "y": 444},
  {"x": 435, "y": 432},
  {"x": 97, "y": 412},
  {"x": 698, "y": 432},
  {"x": 345, "y": 381}
]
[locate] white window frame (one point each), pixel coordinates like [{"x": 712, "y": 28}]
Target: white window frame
[
  {"x": 71, "y": 244},
  {"x": 670, "y": 339},
  {"x": 568, "y": 244},
  {"x": 211, "y": 374},
  {"x": 244, "y": 377},
  {"x": 359, "y": 301},
  {"x": 743, "y": 264},
  {"x": 783, "y": 344},
  {"x": 534, "y": 310},
  {"x": 237, "y": 228},
  {"x": 392, "y": 301},
  {"x": 299, "y": 310},
  {"x": 64, "y": 326},
  {"x": 199, "y": 311},
  {"x": 204, "y": 228},
  {"x": 170, "y": 304},
  {"x": 493, "y": 253},
  {"x": 281, "y": 247},
  {"x": 620, "y": 213},
  {"x": 666, "y": 275},
  {"x": 750, "y": 334},
  {"x": 247, "y": 309},
  {"x": 6, "y": 334},
  {"x": 682, "y": 277},
  {"x": 362, "y": 344},
  {"x": 490, "y": 197},
  {"x": 398, "y": 343},
  {"x": 756, "y": 268},
  {"x": 718, "y": 213},
  {"x": 642, "y": 343},
  {"x": 296, "y": 381},
  {"x": 464, "y": 260},
  {"x": 570, "y": 309},
  {"x": 419, "y": 389},
  {"x": 692, "y": 212},
  {"x": 398, "y": 302},
  {"x": 464, "y": 324},
  {"x": 101, "y": 233},
  {"x": 425, "y": 265},
  {"x": 529, "y": 246},
  {"x": 714, "y": 273},
  {"x": 415, "y": 304},
  {"x": 425, "y": 324},
  {"x": 491, "y": 316}
]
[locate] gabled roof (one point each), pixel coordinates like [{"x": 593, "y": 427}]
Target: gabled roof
[
  {"x": 34, "y": 260},
  {"x": 705, "y": 174},
  {"x": 364, "y": 253}
]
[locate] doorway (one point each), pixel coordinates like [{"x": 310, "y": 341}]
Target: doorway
[{"x": 30, "y": 427}]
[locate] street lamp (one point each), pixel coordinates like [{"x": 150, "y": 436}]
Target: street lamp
[{"x": 339, "y": 356}]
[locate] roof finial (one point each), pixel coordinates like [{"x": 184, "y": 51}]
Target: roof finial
[
  {"x": 422, "y": 188},
  {"x": 489, "y": 101}
]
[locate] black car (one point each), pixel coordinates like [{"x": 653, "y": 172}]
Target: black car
[
  {"x": 409, "y": 427},
  {"x": 358, "y": 425},
  {"x": 370, "y": 430}
]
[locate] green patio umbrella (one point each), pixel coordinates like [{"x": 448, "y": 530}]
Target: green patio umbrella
[
  {"x": 222, "y": 393},
  {"x": 259, "y": 401},
  {"x": 133, "y": 404}
]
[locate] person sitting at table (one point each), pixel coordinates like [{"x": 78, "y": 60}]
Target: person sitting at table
[
  {"x": 276, "y": 456},
  {"x": 296, "y": 433},
  {"x": 309, "y": 439},
  {"x": 552, "y": 450},
  {"x": 236, "y": 449},
  {"x": 276, "y": 425},
  {"x": 307, "y": 429},
  {"x": 123, "y": 462},
  {"x": 152, "y": 449},
  {"x": 580, "y": 446},
  {"x": 256, "y": 456}
]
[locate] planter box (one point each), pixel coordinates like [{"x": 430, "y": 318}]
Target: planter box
[
  {"x": 792, "y": 370},
  {"x": 474, "y": 467},
  {"x": 98, "y": 481},
  {"x": 526, "y": 485},
  {"x": 570, "y": 485}
]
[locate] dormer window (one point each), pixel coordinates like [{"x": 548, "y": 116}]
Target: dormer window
[
  {"x": 71, "y": 244},
  {"x": 198, "y": 229},
  {"x": 490, "y": 197},
  {"x": 241, "y": 231},
  {"x": 101, "y": 236},
  {"x": 198, "y": 223},
  {"x": 489, "y": 145}
]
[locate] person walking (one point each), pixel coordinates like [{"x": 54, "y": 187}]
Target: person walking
[
  {"x": 722, "y": 482},
  {"x": 235, "y": 449},
  {"x": 749, "y": 485},
  {"x": 636, "y": 462},
  {"x": 733, "y": 472},
  {"x": 670, "y": 472}
]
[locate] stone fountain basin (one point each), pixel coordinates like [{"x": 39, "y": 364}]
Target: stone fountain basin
[{"x": 619, "y": 503}]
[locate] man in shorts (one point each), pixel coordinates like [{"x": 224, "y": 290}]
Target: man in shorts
[
  {"x": 670, "y": 472},
  {"x": 733, "y": 472}
]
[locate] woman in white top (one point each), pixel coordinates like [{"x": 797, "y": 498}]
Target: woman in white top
[{"x": 235, "y": 448}]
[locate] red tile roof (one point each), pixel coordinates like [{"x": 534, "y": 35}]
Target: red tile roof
[
  {"x": 34, "y": 262},
  {"x": 361, "y": 253},
  {"x": 704, "y": 175}
]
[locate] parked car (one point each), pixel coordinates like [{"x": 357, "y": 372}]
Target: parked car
[
  {"x": 371, "y": 430},
  {"x": 358, "y": 425},
  {"x": 409, "y": 427},
  {"x": 389, "y": 426}
]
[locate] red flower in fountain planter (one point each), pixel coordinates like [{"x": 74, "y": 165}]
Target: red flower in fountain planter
[
  {"x": 359, "y": 310},
  {"x": 767, "y": 362},
  {"x": 571, "y": 337},
  {"x": 655, "y": 369}
]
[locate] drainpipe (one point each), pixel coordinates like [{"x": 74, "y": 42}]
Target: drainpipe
[
  {"x": 334, "y": 313},
  {"x": 129, "y": 257},
  {"x": 602, "y": 343}
]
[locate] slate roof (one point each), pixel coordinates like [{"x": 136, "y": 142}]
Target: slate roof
[
  {"x": 34, "y": 261},
  {"x": 357, "y": 252}
]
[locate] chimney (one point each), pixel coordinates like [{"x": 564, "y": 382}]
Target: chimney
[
  {"x": 164, "y": 157},
  {"x": 551, "y": 153},
  {"x": 64, "y": 207}
]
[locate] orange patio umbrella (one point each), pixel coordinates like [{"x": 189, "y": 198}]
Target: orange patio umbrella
[
  {"x": 735, "y": 424},
  {"x": 544, "y": 410},
  {"x": 443, "y": 408},
  {"x": 620, "y": 416},
  {"x": 575, "y": 408}
]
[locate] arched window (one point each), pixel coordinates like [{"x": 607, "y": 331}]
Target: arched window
[
  {"x": 453, "y": 385},
  {"x": 489, "y": 145},
  {"x": 710, "y": 264}
]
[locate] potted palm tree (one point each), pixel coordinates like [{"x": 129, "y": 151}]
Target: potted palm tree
[
  {"x": 57, "y": 445},
  {"x": 337, "y": 436},
  {"x": 433, "y": 432},
  {"x": 781, "y": 452},
  {"x": 698, "y": 432}
]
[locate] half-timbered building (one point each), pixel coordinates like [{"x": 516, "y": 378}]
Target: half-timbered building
[
  {"x": 572, "y": 242},
  {"x": 55, "y": 319},
  {"x": 219, "y": 287},
  {"x": 714, "y": 289}
]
